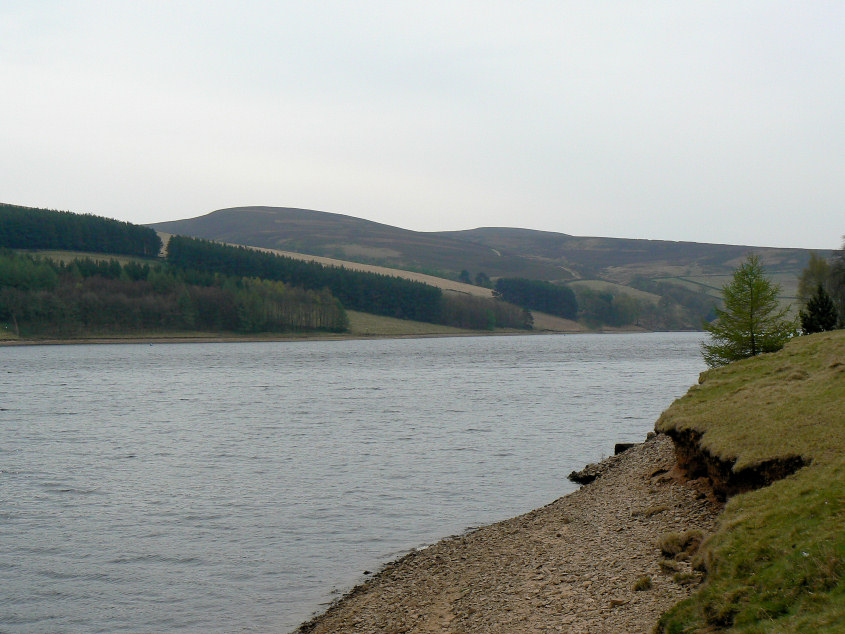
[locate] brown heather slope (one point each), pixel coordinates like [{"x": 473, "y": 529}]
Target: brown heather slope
[{"x": 497, "y": 251}]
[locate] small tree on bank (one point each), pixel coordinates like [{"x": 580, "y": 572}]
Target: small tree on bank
[
  {"x": 750, "y": 322},
  {"x": 820, "y": 313},
  {"x": 836, "y": 283}
]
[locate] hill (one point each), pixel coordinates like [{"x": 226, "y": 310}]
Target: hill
[
  {"x": 497, "y": 251},
  {"x": 688, "y": 276},
  {"x": 340, "y": 237},
  {"x": 770, "y": 431}
]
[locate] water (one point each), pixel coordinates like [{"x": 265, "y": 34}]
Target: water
[{"x": 240, "y": 486}]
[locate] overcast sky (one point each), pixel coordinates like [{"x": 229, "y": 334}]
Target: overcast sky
[{"x": 705, "y": 121}]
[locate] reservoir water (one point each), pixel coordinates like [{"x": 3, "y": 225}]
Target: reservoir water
[{"x": 241, "y": 486}]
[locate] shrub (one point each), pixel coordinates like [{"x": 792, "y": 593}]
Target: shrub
[
  {"x": 675, "y": 544},
  {"x": 643, "y": 583}
]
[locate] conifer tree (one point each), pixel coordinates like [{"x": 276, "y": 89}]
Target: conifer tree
[
  {"x": 750, "y": 322},
  {"x": 820, "y": 313}
]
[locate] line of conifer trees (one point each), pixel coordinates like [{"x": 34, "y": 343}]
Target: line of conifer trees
[
  {"x": 30, "y": 228},
  {"x": 357, "y": 290},
  {"x": 538, "y": 295},
  {"x": 39, "y": 296}
]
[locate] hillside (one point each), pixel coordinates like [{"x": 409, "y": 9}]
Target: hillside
[
  {"x": 347, "y": 238},
  {"x": 687, "y": 275},
  {"x": 778, "y": 557},
  {"x": 496, "y": 251}
]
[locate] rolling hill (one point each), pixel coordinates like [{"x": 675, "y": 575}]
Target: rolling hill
[{"x": 687, "y": 274}]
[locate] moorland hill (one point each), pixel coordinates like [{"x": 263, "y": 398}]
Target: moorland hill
[{"x": 674, "y": 284}]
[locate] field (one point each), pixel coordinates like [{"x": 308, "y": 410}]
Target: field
[
  {"x": 613, "y": 288},
  {"x": 367, "y": 325}
]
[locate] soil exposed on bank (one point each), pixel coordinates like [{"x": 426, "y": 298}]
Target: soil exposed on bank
[{"x": 571, "y": 566}]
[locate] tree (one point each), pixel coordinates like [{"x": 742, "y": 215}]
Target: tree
[
  {"x": 820, "y": 314},
  {"x": 816, "y": 272},
  {"x": 836, "y": 283},
  {"x": 538, "y": 295},
  {"x": 482, "y": 279},
  {"x": 750, "y": 322}
]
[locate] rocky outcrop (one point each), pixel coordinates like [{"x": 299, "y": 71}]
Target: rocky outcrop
[
  {"x": 697, "y": 462},
  {"x": 592, "y": 471},
  {"x": 596, "y": 469}
]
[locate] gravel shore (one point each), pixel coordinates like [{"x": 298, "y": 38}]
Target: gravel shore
[{"x": 570, "y": 566}]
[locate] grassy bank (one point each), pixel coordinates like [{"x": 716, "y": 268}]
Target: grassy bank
[{"x": 776, "y": 564}]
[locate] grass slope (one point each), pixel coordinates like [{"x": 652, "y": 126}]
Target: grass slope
[{"x": 776, "y": 564}]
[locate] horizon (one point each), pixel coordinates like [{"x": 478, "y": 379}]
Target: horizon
[
  {"x": 513, "y": 227},
  {"x": 688, "y": 123}
]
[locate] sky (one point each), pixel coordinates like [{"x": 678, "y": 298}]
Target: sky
[{"x": 705, "y": 121}]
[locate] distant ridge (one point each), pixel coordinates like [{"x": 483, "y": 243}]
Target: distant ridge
[
  {"x": 497, "y": 251},
  {"x": 337, "y": 236},
  {"x": 655, "y": 284}
]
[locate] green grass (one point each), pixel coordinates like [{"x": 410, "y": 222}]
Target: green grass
[
  {"x": 776, "y": 563},
  {"x": 368, "y": 325},
  {"x": 712, "y": 285},
  {"x": 603, "y": 286},
  {"x": 699, "y": 284}
]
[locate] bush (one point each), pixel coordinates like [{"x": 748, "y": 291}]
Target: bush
[
  {"x": 643, "y": 583},
  {"x": 674, "y": 544}
]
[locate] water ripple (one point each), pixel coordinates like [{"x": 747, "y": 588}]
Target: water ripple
[{"x": 228, "y": 487}]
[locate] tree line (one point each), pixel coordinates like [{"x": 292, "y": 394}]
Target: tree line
[
  {"x": 821, "y": 293},
  {"x": 752, "y": 321},
  {"x": 30, "y": 228},
  {"x": 357, "y": 290},
  {"x": 39, "y": 296},
  {"x": 538, "y": 295}
]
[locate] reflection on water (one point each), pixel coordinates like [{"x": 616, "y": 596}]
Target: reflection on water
[{"x": 233, "y": 486}]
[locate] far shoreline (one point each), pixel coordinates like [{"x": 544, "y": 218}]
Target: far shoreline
[{"x": 294, "y": 337}]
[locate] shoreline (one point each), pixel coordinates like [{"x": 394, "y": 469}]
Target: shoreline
[
  {"x": 256, "y": 338},
  {"x": 572, "y": 565},
  {"x": 289, "y": 337}
]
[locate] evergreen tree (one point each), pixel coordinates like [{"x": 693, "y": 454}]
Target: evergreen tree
[
  {"x": 538, "y": 295},
  {"x": 836, "y": 283},
  {"x": 751, "y": 322},
  {"x": 816, "y": 272},
  {"x": 482, "y": 279},
  {"x": 820, "y": 314}
]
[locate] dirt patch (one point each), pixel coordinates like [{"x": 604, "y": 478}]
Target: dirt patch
[{"x": 696, "y": 463}]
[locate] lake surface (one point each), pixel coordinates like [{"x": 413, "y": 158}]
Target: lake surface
[{"x": 240, "y": 486}]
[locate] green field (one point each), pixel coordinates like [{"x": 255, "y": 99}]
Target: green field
[
  {"x": 368, "y": 325},
  {"x": 603, "y": 286},
  {"x": 776, "y": 563}
]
